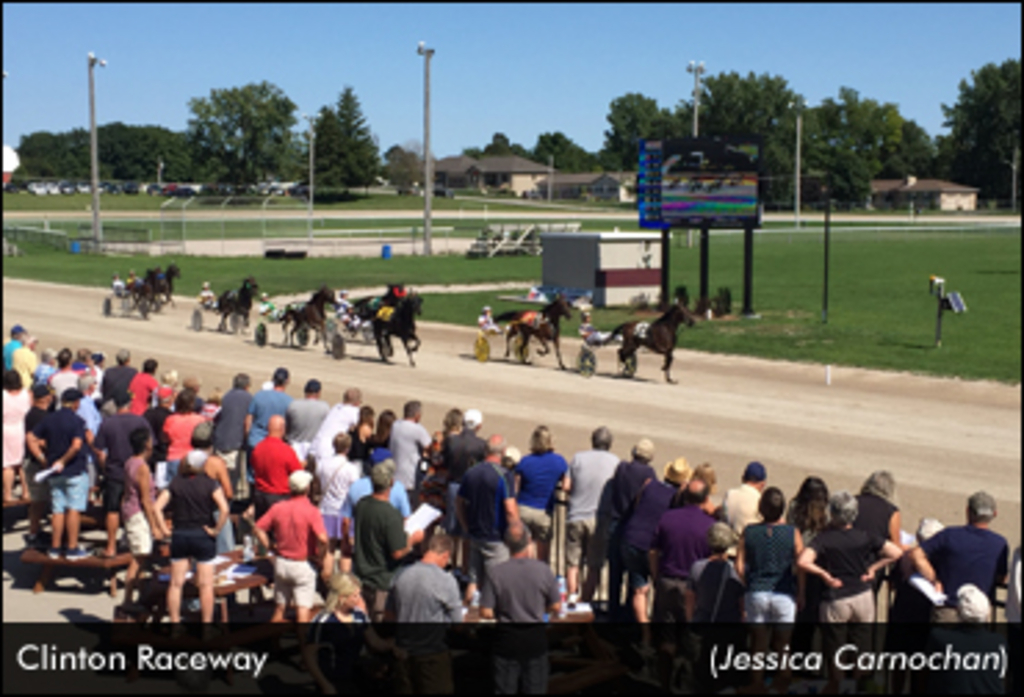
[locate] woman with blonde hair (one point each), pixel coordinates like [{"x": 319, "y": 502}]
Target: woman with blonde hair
[
  {"x": 337, "y": 634},
  {"x": 706, "y": 473},
  {"x": 681, "y": 472},
  {"x": 537, "y": 476}
]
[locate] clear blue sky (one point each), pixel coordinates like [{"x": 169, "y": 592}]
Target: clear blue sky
[{"x": 519, "y": 69}]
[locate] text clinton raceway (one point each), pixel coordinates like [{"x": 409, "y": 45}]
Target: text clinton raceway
[{"x": 49, "y": 658}]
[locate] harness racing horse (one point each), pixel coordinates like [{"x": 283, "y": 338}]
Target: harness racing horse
[
  {"x": 145, "y": 289},
  {"x": 659, "y": 336},
  {"x": 312, "y": 314},
  {"x": 400, "y": 322},
  {"x": 543, "y": 325},
  {"x": 165, "y": 282},
  {"x": 237, "y": 302}
]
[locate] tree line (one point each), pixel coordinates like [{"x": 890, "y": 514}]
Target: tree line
[{"x": 248, "y": 134}]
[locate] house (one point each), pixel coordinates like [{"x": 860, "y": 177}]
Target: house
[
  {"x": 603, "y": 186},
  {"x": 923, "y": 193},
  {"x": 512, "y": 173}
]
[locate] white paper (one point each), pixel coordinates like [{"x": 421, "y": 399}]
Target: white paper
[
  {"x": 220, "y": 559},
  {"x": 166, "y": 578},
  {"x": 240, "y": 571},
  {"x": 42, "y": 475},
  {"x": 421, "y": 518},
  {"x": 160, "y": 476},
  {"x": 922, "y": 584},
  {"x": 906, "y": 539},
  {"x": 580, "y": 608}
]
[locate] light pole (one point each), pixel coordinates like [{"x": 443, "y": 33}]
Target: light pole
[
  {"x": 312, "y": 155},
  {"x": 160, "y": 173},
  {"x": 1013, "y": 185},
  {"x": 551, "y": 175},
  {"x": 97, "y": 230},
  {"x": 799, "y": 104},
  {"x": 428, "y": 165},
  {"x": 697, "y": 70}
]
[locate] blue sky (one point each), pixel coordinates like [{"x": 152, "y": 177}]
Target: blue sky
[{"x": 519, "y": 69}]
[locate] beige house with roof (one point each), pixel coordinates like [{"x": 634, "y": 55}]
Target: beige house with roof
[
  {"x": 933, "y": 194},
  {"x": 602, "y": 186}
]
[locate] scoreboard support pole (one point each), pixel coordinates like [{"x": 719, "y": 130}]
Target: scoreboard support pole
[
  {"x": 666, "y": 237},
  {"x": 748, "y": 271},
  {"x": 705, "y": 239}
]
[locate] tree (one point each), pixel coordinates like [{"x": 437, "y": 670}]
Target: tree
[
  {"x": 329, "y": 149},
  {"x": 631, "y": 117},
  {"x": 914, "y": 155},
  {"x": 569, "y": 157},
  {"x": 985, "y": 128},
  {"x": 475, "y": 153},
  {"x": 404, "y": 165},
  {"x": 357, "y": 164},
  {"x": 243, "y": 134}
]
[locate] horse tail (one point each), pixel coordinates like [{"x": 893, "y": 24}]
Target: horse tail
[
  {"x": 508, "y": 316},
  {"x": 618, "y": 330}
]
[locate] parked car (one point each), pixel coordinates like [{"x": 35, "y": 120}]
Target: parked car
[
  {"x": 84, "y": 187},
  {"x": 184, "y": 192},
  {"x": 442, "y": 192},
  {"x": 169, "y": 189},
  {"x": 52, "y": 188},
  {"x": 154, "y": 189},
  {"x": 10, "y": 188},
  {"x": 38, "y": 188},
  {"x": 131, "y": 188},
  {"x": 408, "y": 190},
  {"x": 66, "y": 188}
]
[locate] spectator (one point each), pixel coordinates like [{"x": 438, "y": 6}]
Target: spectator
[
  {"x": 170, "y": 379},
  {"x": 217, "y": 470},
  {"x": 97, "y": 367},
  {"x": 878, "y": 512},
  {"x": 266, "y": 404},
  {"x": 537, "y": 476},
  {"x": 969, "y": 636},
  {"x": 808, "y": 513},
  {"x": 62, "y": 436},
  {"x": 156, "y": 417},
  {"x": 113, "y": 448},
  {"x": 362, "y": 437},
  {"x": 740, "y": 504},
  {"x": 424, "y": 600},
  {"x": 25, "y": 361},
  {"x": 844, "y": 558},
  {"x": 17, "y": 404},
  {"x": 360, "y": 489},
  {"x": 143, "y": 386},
  {"x": 90, "y": 414},
  {"x": 382, "y": 436},
  {"x": 340, "y": 419},
  {"x": 196, "y": 385},
  {"x": 193, "y": 498},
  {"x": 39, "y": 492},
  {"x": 229, "y": 433},
  {"x": 178, "y": 428},
  {"x": 380, "y": 540},
  {"x": 969, "y": 553},
  {"x": 273, "y": 462},
  {"x": 485, "y": 509},
  {"x": 83, "y": 362},
  {"x": 138, "y": 509},
  {"x": 116, "y": 379},
  {"x": 211, "y": 406},
  {"x": 409, "y": 442},
  {"x": 18, "y": 335},
  {"x": 520, "y": 590},
  {"x": 627, "y": 482},
  {"x": 336, "y": 477},
  {"x": 47, "y": 367},
  {"x": 65, "y": 378},
  {"x": 1013, "y": 619},
  {"x": 303, "y": 418},
  {"x": 301, "y": 544},
  {"x": 337, "y": 634},
  {"x": 706, "y": 473},
  {"x": 459, "y": 453},
  {"x": 765, "y": 558}
]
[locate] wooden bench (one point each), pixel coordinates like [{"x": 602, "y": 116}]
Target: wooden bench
[{"x": 49, "y": 566}]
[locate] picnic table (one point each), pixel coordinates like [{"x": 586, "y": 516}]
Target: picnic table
[{"x": 50, "y": 566}]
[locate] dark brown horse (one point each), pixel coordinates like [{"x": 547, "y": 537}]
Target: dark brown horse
[
  {"x": 146, "y": 288},
  {"x": 543, "y": 324},
  {"x": 237, "y": 302},
  {"x": 312, "y": 314},
  {"x": 165, "y": 282},
  {"x": 659, "y": 336}
]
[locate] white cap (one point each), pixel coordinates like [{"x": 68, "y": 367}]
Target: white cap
[
  {"x": 195, "y": 460},
  {"x": 206, "y": 284},
  {"x": 971, "y": 604},
  {"x": 487, "y": 308},
  {"x": 299, "y": 481},
  {"x": 473, "y": 418}
]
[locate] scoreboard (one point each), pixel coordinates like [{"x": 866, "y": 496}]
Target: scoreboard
[{"x": 700, "y": 182}]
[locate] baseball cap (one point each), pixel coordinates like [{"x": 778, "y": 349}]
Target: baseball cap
[
  {"x": 382, "y": 473},
  {"x": 280, "y": 376},
  {"x": 299, "y": 481},
  {"x": 487, "y": 308},
  {"x": 72, "y": 394},
  {"x": 644, "y": 449},
  {"x": 313, "y": 386},
  {"x": 512, "y": 456},
  {"x": 473, "y": 418},
  {"x": 195, "y": 460},
  {"x": 202, "y": 433},
  {"x": 380, "y": 455},
  {"x": 121, "y": 397},
  {"x": 40, "y": 391},
  {"x": 755, "y": 472},
  {"x": 98, "y": 357},
  {"x": 164, "y": 393},
  {"x": 17, "y": 329}
]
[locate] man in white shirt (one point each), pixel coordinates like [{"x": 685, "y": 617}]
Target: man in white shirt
[
  {"x": 741, "y": 504},
  {"x": 409, "y": 441},
  {"x": 207, "y": 298},
  {"x": 117, "y": 285},
  {"x": 486, "y": 322},
  {"x": 340, "y": 419}
]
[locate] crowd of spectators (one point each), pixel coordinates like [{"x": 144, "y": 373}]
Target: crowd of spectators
[{"x": 329, "y": 488}]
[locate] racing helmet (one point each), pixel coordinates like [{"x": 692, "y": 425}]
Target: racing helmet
[
  {"x": 264, "y": 296},
  {"x": 487, "y": 308},
  {"x": 206, "y": 285}
]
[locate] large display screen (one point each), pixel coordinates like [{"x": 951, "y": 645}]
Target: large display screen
[{"x": 697, "y": 182}]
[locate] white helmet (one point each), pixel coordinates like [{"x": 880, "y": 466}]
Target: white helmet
[
  {"x": 206, "y": 285},
  {"x": 487, "y": 308}
]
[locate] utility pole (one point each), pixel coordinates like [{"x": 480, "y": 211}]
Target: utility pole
[
  {"x": 697, "y": 70},
  {"x": 312, "y": 155},
  {"x": 1013, "y": 187},
  {"x": 799, "y": 104},
  {"x": 97, "y": 230},
  {"x": 428, "y": 165},
  {"x": 551, "y": 176}
]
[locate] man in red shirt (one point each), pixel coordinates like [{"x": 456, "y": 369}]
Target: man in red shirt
[
  {"x": 301, "y": 538},
  {"x": 142, "y": 387},
  {"x": 272, "y": 461}
]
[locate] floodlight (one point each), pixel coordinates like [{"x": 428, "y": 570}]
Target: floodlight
[
  {"x": 422, "y": 47},
  {"x": 103, "y": 63},
  {"x": 92, "y": 56}
]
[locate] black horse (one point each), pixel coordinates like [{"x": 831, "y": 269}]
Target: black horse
[
  {"x": 400, "y": 323},
  {"x": 165, "y": 283},
  {"x": 312, "y": 314},
  {"x": 659, "y": 337},
  {"x": 145, "y": 288},
  {"x": 237, "y": 302},
  {"x": 545, "y": 325}
]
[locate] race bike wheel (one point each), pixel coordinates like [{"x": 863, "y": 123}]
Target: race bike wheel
[
  {"x": 586, "y": 362},
  {"x": 628, "y": 366},
  {"x": 338, "y": 347},
  {"x": 482, "y": 348},
  {"x": 303, "y": 336},
  {"x": 260, "y": 335},
  {"x": 108, "y": 307},
  {"x": 521, "y": 349},
  {"x": 197, "y": 320},
  {"x": 144, "y": 308},
  {"x": 236, "y": 322}
]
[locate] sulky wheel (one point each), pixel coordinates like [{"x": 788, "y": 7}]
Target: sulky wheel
[
  {"x": 586, "y": 362},
  {"x": 367, "y": 330},
  {"x": 126, "y": 304},
  {"x": 157, "y": 304},
  {"x": 260, "y": 335},
  {"x": 108, "y": 307},
  {"x": 521, "y": 348},
  {"x": 628, "y": 366},
  {"x": 236, "y": 322},
  {"x": 385, "y": 348},
  {"x": 197, "y": 320},
  {"x": 144, "y": 308},
  {"x": 303, "y": 336},
  {"x": 338, "y": 347},
  {"x": 331, "y": 328},
  {"x": 482, "y": 348}
]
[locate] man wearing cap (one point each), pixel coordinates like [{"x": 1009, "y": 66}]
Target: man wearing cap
[
  {"x": 272, "y": 461},
  {"x": 65, "y": 378},
  {"x": 265, "y": 404},
  {"x": 143, "y": 386},
  {"x": 62, "y": 436},
  {"x": 486, "y": 322},
  {"x": 304, "y": 417},
  {"x": 18, "y": 334},
  {"x": 38, "y": 492},
  {"x": 740, "y": 505},
  {"x": 300, "y": 543},
  {"x": 962, "y": 554},
  {"x": 46, "y": 368},
  {"x": 118, "y": 378},
  {"x": 24, "y": 360},
  {"x": 207, "y": 298},
  {"x": 112, "y": 447},
  {"x": 968, "y": 635},
  {"x": 409, "y": 443},
  {"x": 380, "y": 540},
  {"x": 215, "y": 469},
  {"x": 627, "y": 482}
]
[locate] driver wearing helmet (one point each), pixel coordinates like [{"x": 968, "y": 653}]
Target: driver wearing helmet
[
  {"x": 486, "y": 322},
  {"x": 591, "y": 337},
  {"x": 207, "y": 298},
  {"x": 117, "y": 285},
  {"x": 132, "y": 279},
  {"x": 346, "y": 312},
  {"x": 267, "y": 308}
]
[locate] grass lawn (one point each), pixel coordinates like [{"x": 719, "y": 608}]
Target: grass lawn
[{"x": 880, "y": 314}]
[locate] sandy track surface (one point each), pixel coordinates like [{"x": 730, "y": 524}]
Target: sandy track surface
[{"x": 943, "y": 439}]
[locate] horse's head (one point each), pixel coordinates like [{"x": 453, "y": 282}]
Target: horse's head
[
  {"x": 680, "y": 314},
  {"x": 416, "y": 301},
  {"x": 560, "y": 308},
  {"x": 250, "y": 284},
  {"x": 173, "y": 271}
]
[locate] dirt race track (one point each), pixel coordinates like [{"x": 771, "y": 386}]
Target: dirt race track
[{"x": 943, "y": 439}]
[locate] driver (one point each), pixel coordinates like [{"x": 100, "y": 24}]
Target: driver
[
  {"x": 346, "y": 312},
  {"x": 591, "y": 336},
  {"x": 132, "y": 279},
  {"x": 207, "y": 298},
  {"x": 117, "y": 285},
  {"x": 267, "y": 308},
  {"x": 486, "y": 322}
]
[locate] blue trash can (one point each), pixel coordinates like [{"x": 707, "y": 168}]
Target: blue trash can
[
  {"x": 75, "y": 248},
  {"x": 385, "y": 252}
]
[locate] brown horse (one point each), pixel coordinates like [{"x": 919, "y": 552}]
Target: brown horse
[
  {"x": 659, "y": 336},
  {"x": 543, "y": 324},
  {"x": 237, "y": 302},
  {"x": 165, "y": 283},
  {"x": 312, "y": 314}
]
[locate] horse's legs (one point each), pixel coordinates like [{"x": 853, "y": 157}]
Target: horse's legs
[
  {"x": 408, "y": 351},
  {"x": 508, "y": 339},
  {"x": 668, "y": 367},
  {"x": 558, "y": 354}
]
